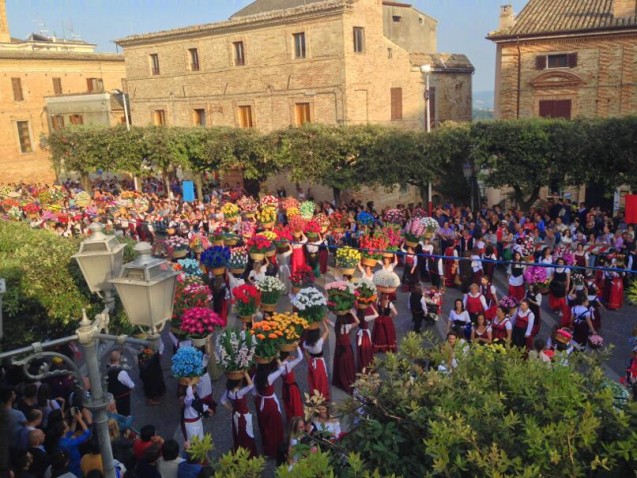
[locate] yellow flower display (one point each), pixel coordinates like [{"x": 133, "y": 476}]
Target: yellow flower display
[
  {"x": 230, "y": 210},
  {"x": 267, "y": 214},
  {"x": 289, "y": 325},
  {"x": 293, "y": 211},
  {"x": 269, "y": 235},
  {"x": 347, "y": 257}
]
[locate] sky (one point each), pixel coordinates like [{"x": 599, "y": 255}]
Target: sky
[{"x": 462, "y": 24}]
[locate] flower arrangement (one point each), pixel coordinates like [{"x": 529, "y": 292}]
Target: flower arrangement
[
  {"x": 266, "y": 215},
  {"x": 372, "y": 247},
  {"x": 578, "y": 279},
  {"x": 365, "y": 219},
  {"x": 303, "y": 277},
  {"x": 414, "y": 231},
  {"x": 246, "y": 298},
  {"x": 268, "y": 338},
  {"x": 341, "y": 296},
  {"x": 289, "y": 203},
  {"x": 395, "y": 216},
  {"x": 82, "y": 199},
  {"x": 8, "y": 203},
  {"x": 535, "y": 274},
  {"x": 385, "y": 280},
  {"x": 312, "y": 229},
  {"x": 31, "y": 209},
  {"x": 238, "y": 258},
  {"x": 322, "y": 221},
  {"x": 199, "y": 242},
  {"x": 269, "y": 235},
  {"x": 247, "y": 228},
  {"x": 218, "y": 234},
  {"x": 296, "y": 224},
  {"x": 310, "y": 304},
  {"x": 347, "y": 257},
  {"x": 258, "y": 245},
  {"x": 431, "y": 226},
  {"x": 284, "y": 234},
  {"x": 53, "y": 195},
  {"x": 393, "y": 237},
  {"x": 247, "y": 204},
  {"x": 215, "y": 257},
  {"x": 508, "y": 302},
  {"x": 235, "y": 349},
  {"x": 190, "y": 267},
  {"x": 528, "y": 246},
  {"x": 46, "y": 215},
  {"x": 366, "y": 293},
  {"x": 339, "y": 221},
  {"x": 15, "y": 213},
  {"x": 271, "y": 289},
  {"x": 199, "y": 322},
  {"x": 419, "y": 213},
  {"x": 292, "y": 327},
  {"x": 306, "y": 209},
  {"x": 187, "y": 362},
  {"x": 175, "y": 243},
  {"x": 565, "y": 254},
  {"x": 230, "y": 210},
  {"x": 63, "y": 218},
  {"x": 190, "y": 292},
  {"x": 292, "y": 212},
  {"x": 269, "y": 200},
  {"x": 595, "y": 341}
]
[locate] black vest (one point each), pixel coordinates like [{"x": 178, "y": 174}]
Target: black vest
[
  {"x": 415, "y": 304},
  {"x": 115, "y": 387}
]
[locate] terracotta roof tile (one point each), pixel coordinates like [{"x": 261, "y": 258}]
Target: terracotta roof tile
[
  {"x": 442, "y": 62},
  {"x": 562, "y": 16},
  {"x": 263, "y": 6},
  {"x": 58, "y": 55}
]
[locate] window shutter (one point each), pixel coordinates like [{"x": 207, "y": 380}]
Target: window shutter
[
  {"x": 432, "y": 107},
  {"x": 89, "y": 84},
  {"x": 396, "y": 103},
  {"x": 540, "y": 62},
  {"x": 572, "y": 60}
]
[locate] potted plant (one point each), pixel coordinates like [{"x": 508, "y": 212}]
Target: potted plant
[
  {"x": 267, "y": 216},
  {"x": 190, "y": 291},
  {"x": 238, "y": 260},
  {"x": 230, "y": 212},
  {"x": 248, "y": 205},
  {"x": 268, "y": 340},
  {"x": 235, "y": 352},
  {"x": 215, "y": 259},
  {"x": 247, "y": 299},
  {"x": 431, "y": 227},
  {"x": 198, "y": 243},
  {"x": 414, "y": 231},
  {"x": 306, "y": 210},
  {"x": 258, "y": 246},
  {"x": 269, "y": 200},
  {"x": 341, "y": 297},
  {"x": 247, "y": 229},
  {"x": 347, "y": 258},
  {"x": 292, "y": 326},
  {"x": 323, "y": 221},
  {"x": 372, "y": 248},
  {"x": 31, "y": 210},
  {"x": 290, "y": 203},
  {"x": 312, "y": 229},
  {"x": 395, "y": 217},
  {"x": 187, "y": 365},
  {"x": 386, "y": 281},
  {"x": 198, "y": 323},
  {"x": 200, "y": 449},
  {"x": 271, "y": 289},
  {"x": 393, "y": 239},
  {"x": 311, "y": 305},
  {"x": 272, "y": 237},
  {"x": 339, "y": 222},
  {"x": 297, "y": 225},
  {"x": 366, "y": 293},
  {"x": 218, "y": 236},
  {"x": 177, "y": 246},
  {"x": 303, "y": 277},
  {"x": 190, "y": 267}
]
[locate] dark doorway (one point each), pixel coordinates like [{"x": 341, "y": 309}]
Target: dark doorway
[{"x": 599, "y": 195}]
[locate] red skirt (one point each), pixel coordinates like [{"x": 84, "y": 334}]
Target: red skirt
[
  {"x": 292, "y": 402},
  {"x": 240, "y": 437},
  {"x": 516, "y": 291},
  {"x": 489, "y": 314},
  {"x": 323, "y": 257},
  {"x": 270, "y": 424},
  {"x": 615, "y": 294},
  {"x": 317, "y": 377},
  {"x": 450, "y": 273},
  {"x": 364, "y": 349},
  {"x": 298, "y": 259},
  {"x": 344, "y": 370},
  {"x": 384, "y": 334},
  {"x": 559, "y": 304}
]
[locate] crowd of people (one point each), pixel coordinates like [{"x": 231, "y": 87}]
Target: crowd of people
[{"x": 547, "y": 251}]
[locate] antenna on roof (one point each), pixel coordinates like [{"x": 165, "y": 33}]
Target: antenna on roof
[
  {"x": 74, "y": 36},
  {"x": 42, "y": 30}
]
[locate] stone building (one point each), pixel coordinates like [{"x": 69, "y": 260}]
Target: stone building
[
  {"x": 280, "y": 63},
  {"x": 566, "y": 59},
  {"x": 31, "y": 70}
]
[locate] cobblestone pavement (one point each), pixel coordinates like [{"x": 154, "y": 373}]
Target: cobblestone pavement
[{"x": 616, "y": 327}]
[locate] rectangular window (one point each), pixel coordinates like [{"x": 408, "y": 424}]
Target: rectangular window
[
  {"x": 245, "y": 116},
  {"x": 76, "y": 119},
  {"x": 558, "y": 60},
  {"x": 359, "y": 39},
  {"x": 199, "y": 117},
  {"x": 396, "y": 18},
  {"x": 555, "y": 109},
  {"x": 154, "y": 64},
  {"x": 57, "y": 122},
  {"x": 239, "y": 54},
  {"x": 299, "y": 45},
  {"x": 159, "y": 117},
  {"x": 24, "y": 136},
  {"x": 302, "y": 114},
  {"x": 94, "y": 85},
  {"x": 57, "y": 86},
  {"x": 194, "y": 59},
  {"x": 16, "y": 83},
  {"x": 390, "y": 53},
  {"x": 396, "y": 104}
]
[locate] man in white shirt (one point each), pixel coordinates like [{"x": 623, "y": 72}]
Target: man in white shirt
[
  {"x": 169, "y": 462},
  {"x": 120, "y": 385}
]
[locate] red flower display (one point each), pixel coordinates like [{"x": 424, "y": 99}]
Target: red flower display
[
  {"x": 312, "y": 227},
  {"x": 303, "y": 276},
  {"x": 200, "y": 321},
  {"x": 259, "y": 244},
  {"x": 296, "y": 224}
]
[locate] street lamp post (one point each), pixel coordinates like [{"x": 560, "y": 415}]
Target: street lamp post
[
  {"x": 127, "y": 119},
  {"x": 426, "y": 70},
  {"x": 467, "y": 171}
]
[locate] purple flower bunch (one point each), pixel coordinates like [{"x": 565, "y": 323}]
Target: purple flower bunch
[
  {"x": 535, "y": 274},
  {"x": 508, "y": 302}
]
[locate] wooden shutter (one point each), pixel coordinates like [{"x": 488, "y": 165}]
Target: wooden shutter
[
  {"x": 89, "y": 84},
  {"x": 396, "y": 103},
  {"x": 555, "y": 109},
  {"x": 572, "y": 60},
  {"x": 540, "y": 62},
  {"x": 16, "y": 83},
  {"x": 432, "y": 107}
]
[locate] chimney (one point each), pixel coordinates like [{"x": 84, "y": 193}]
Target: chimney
[
  {"x": 5, "y": 36},
  {"x": 624, "y": 8},
  {"x": 507, "y": 19}
]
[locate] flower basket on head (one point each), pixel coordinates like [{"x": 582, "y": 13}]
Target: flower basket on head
[
  {"x": 271, "y": 289},
  {"x": 190, "y": 267},
  {"x": 347, "y": 258},
  {"x": 303, "y": 277},
  {"x": 386, "y": 281},
  {"x": 177, "y": 246},
  {"x": 431, "y": 227},
  {"x": 339, "y": 222},
  {"x": 306, "y": 210},
  {"x": 198, "y": 323},
  {"x": 215, "y": 259},
  {"x": 199, "y": 243},
  {"x": 395, "y": 216},
  {"x": 258, "y": 246},
  {"x": 284, "y": 236},
  {"x": 341, "y": 297},
  {"x": 238, "y": 260},
  {"x": 372, "y": 248},
  {"x": 561, "y": 252},
  {"x": 269, "y": 200},
  {"x": 235, "y": 352},
  {"x": 187, "y": 363},
  {"x": 248, "y": 205},
  {"x": 366, "y": 293},
  {"x": 247, "y": 229},
  {"x": 508, "y": 302},
  {"x": 246, "y": 298},
  {"x": 535, "y": 274},
  {"x": 365, "y": 219},
  {"x": 268, "y": 340},
  {"x": 267, "y": 216},
  {"x": 414, "y": 231},
  {"x": 230, "y": 239},
  {"x": 292, "y": 326},
  {"x": 310, "y": 304},
  {"x": 297, "y": 225},
  {"x": 323, "y": 221},
  {"x": 217, "y": 237},
  {"x": 290, "y": 203},
  {"x": 230, "y": 212},
  {"x": 272, "y": 237},
  {"x": 312, "y": 229},
  {"x": 190, "y": 292}
]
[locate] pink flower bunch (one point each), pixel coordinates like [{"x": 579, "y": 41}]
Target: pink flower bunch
[
  {"x": 395, "y": 216},
  {"x": 248, "y": 228},
  {"x": 247, "y": 204},
  {"x": 392, "y": 236},
  {"x": 535, "y": 274},
  {"x": 508, "y": 302},
  {"x": 49, "y": 216},
  {"x": 565, "y": 254},
  {"x": 269, "y": 200},
  {"x": 415, "y": 227},
  {"x": 419, "y": 213},
  {"x": 528, "y": 246},
  {"x": 200, "y": 321},
  {"x": 339, "y": 285}
]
